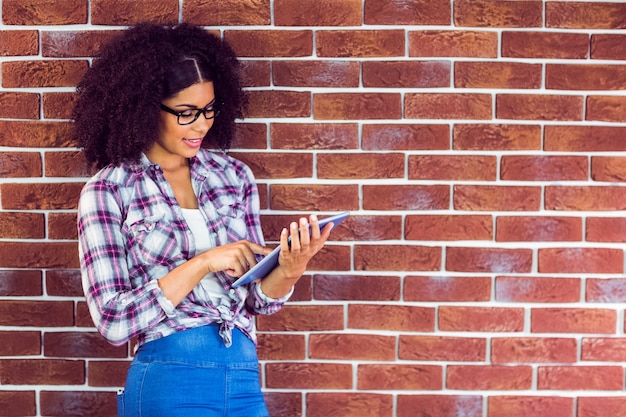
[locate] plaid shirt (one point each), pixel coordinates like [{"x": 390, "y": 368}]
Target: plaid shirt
[{"x": 132, "y": 232}]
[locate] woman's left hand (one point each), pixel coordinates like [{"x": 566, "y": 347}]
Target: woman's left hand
[{"x": 295, "y": 255}]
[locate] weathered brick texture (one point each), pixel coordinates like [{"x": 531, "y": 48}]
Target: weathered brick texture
[{"x": 479, "y": 145}]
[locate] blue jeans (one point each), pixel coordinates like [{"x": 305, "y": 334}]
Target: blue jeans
[{"x": 193, "y": 374}]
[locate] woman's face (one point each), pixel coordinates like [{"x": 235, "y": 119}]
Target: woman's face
[{"x": 178, "y": 142}]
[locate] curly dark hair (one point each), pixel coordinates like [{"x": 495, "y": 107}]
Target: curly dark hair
[{"x": 117, "y": 110}]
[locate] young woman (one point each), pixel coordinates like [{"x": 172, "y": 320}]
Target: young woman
[{"x": 166, "y": 226}]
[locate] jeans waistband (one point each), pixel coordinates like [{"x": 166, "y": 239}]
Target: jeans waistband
[{"x": 201, "y": 346}]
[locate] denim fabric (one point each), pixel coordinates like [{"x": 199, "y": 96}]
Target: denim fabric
[{"x": 192, "y": 373}]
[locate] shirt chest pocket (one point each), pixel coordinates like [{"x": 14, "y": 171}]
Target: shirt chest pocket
[
  {"x": 231, "y": 217},
  {"x": 155, "y": 240}
]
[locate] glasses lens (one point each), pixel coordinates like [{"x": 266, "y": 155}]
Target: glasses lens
[{"x": 190, "y": 116}]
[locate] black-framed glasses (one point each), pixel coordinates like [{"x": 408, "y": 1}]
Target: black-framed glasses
[{"x": 187, "y": 117}]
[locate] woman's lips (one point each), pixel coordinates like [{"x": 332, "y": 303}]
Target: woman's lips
[{"x": 193, "y": 143}]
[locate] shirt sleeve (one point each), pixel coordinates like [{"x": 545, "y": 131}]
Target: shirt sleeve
[{"x": 119, "y": 311}]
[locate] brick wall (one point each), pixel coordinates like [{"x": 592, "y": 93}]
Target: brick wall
[{"x": 480, "y": 145}]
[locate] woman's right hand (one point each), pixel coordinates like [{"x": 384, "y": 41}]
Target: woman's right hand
[{"x": 234, "y": 258}]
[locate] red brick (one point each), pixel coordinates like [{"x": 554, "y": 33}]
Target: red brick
[
  {"x": 538, "y": 229},
  {"x": 606, "y": 108},
  {"x": 308, "y": 375},
  {"x": 270, "y": 43},
  {"x": 584, "y": 198},
  {"x": 608, "y": 46},
  {"x": 278, "y": 165},
  {"x": 78, "y": 403},
  {"x": 284, "y": 404},
  {"x": 452, "y": 167},
  {"x": 35, "y": 134},
  {"x": 448, "y": 227},
  {"x": 549, "y": 45},
  {"x": 496, "y": 137},
  {"x": 581, "y": 260},
  {"x": 38, "y": 255},
  {"x": 331, "y": 258},
  {"x": 336, "y": 74},
  {"x": 497, "y": 74},
  {"x": 62, "y": 226},
  {"x": 439, "y": 348},
  {"x": 107, "y": 373},
  {"x": 18, "y": 42},
  {"x": 83, "y": 318},
  {"x": 533, "y": 350},
  {"x": 80, "y": 345},
  {"x": 544, "y": 168},
  {"x": 580, "y": 378},
  {"x": 349, "y": 404},
  {"x": 446, "y": 288},
  {"x": 585, "y": 15},
  {"x": 585, "y": 77},
  {"x": 406, "y": 74},
  {"x": 497, "y": 260},
  {"x": 453, "y": 43},
  {"x": 19, "y": 105},
  {"x": 496, "y": 198},
  {"x": 22, "y": 225},
  {"x": 440, "y": 405},
  {"x": 606, "y": 290},
  {"x": 406, "y": 197},
  {"x": 38, "y": 74},
  {"x": 18, "y": 403},
  {"x": 130, "y": 12},
  {"x": 18, "y": 343},
  {"x": 317, "y": 12},
  {"x": 20, "y": 164},
  {"x": 360, "y": 43},
  {"x": 486, "y": 13},
  {"x": 396, "y": 258},
  {"x": 346, "y": 106},
  {"x": 585, "y": 138},
  {"x": 48, "y": 196},
  {"x": 281, "y": 347},
  {"x": 573, "y": 320},
  {"x": 360, "y": 165},
  {"x": 44, "y": 12},
  {"x": 58, "y": 105},
  {"x": 278, "y": 103},
  {"x": 356, "y": 287},
  {"x": 303, "y": 290},
  {"x": 597, "y": 405},
  {"x": 303, "y": 318},
  {"x": 402, "y": 318},
  {"x": 256, "y": 73},
  {"x": 405, "y": 137},
  {"x": 400, "y": 377},
  {"x": 36, "y": 313},
  {"x": 412, "y": 12},
  {"x": 67, "y": 164},
  {"x": 227, "y": 12},
  {"x": 603, "y": 349},
  {"x": 464, "y": 106},
  {"x": 311, "y": 136},
  {"x": 20, "y": 283},
  {"x": 480, "y": 319},
  {"x": 606, "y": 229},
  {"x": 314, "y": 197},
  {"x": 537, "y": 290},
  {"x": 75, "y": 44},
  {"x": 363, "y": 347},
  {"x": 250, "y": 136},
  {"x": 539, "y": 107},
  {"x": 489, "y": 377},
  {"x": 64, "y": 283},
  {"x": 530, "y": 406},
  {"x": 42, "y": 372}
]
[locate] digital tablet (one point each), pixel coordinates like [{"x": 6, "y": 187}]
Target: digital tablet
[{"x": 265, "y": 266}]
